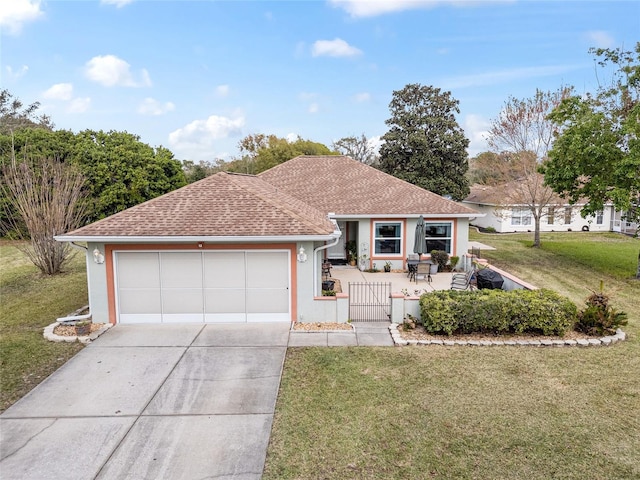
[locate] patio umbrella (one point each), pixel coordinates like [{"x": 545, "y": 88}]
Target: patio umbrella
[{"x": 420, "y": 242}]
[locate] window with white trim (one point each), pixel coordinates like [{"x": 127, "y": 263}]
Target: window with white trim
[
  {"x": 438, "y": 236},
  {"x": 388, "y": 238},
  {"x": 551, "y": 215},
  {"x": 599, "y": 217},
  {"x": 520, "y": 216},
  {"x": 568, "y": 215}
]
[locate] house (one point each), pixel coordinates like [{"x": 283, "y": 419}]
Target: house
[
  {"x": 504, "y": 214},
  {"x": 246, "y": 248}
]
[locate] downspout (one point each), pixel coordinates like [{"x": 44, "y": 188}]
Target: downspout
[
  {"x": 338, "y": 234},
  {"x": 77, "y": 318}
]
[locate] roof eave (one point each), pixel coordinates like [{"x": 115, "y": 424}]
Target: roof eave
[{"x": 194, "y": 238}]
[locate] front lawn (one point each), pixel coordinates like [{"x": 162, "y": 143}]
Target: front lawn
[
  {"x": 465, "y": 412},
  {"x": 29, "y": 302}
]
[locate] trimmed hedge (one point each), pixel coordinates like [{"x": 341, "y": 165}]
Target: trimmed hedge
[{"x": 497, "y": 311}]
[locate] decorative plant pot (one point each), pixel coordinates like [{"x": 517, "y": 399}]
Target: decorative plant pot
[
  {"x": 387, "y": 269},
  {"x": 83, "y": 329}
]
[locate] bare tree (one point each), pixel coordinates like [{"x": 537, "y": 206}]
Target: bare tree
[
  {"x": 523, "y": 130},
  {"x": 48, "y": 195},
  {"x": 358, "y": 148}
]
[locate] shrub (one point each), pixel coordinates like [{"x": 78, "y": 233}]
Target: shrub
[
  {"x": 497, "y": 311},
  {"x": 454, "y": 261},
  {"x": 441, "y": 258},
  {"x": 600, "y": 318}
]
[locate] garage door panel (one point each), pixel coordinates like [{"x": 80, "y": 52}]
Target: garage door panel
[
  {"x": 224, "y": 270},
  {"x": 182, "y": 300},
  {"x": 267, "y": 301},
  {"x": 181, "y": 269},
  {"x": 228, "y": 300},
  {"x": 138, "y": 269},
  {"x": 140, "y": 300},
  {"x": 267, "y": 270}
]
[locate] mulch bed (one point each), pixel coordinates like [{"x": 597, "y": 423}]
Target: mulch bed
[
  {"x": 321, "y": 326},
  {"x": 70, "y": 330}
]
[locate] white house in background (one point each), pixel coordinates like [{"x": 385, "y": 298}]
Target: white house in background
[{"x": 561, "y": 217}]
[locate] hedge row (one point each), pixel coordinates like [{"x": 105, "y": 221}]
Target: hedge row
[{"x": 497, "y": 311}]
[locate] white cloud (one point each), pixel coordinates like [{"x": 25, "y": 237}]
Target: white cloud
[
  {"x": 151, "y": 106},
  {"x": 110, "y": 71},
  {"x": 15, "y": 13},
  {"x": 79, "y": 105},
  {"x": 600, "y": 39},
  {"x": 117, "y": 3},
  {"x": 59, "y": 91},
  {"x": 504, "y": 76},
  {"x": 313, "y": 108},
  {"x": 334, "y": 48},
  {"x": 222, "y": 90},
  {"x": 15, "y": 74},
  {"x": 476, "y": 128},
  {"x": 375, "y": 143},
  {"x": 372, "y": 8},
  {"x": 362, "y": 97},
  {"x": 196, "y": 139},
  {"x": 292, "y": 137}
]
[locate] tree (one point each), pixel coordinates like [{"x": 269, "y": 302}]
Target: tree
[
  {"x": 358, "y": 148},
  {"x": 261, "y": 152},
  {"x": 13, "y": 116},
  {"x": 48, "y": 195},
  {"x": 523, "y": 131},
  {"x": 122, "y": 171},
  {"x": 425, "y": 145},
  {"x": 197, "y": 171},
  {"x": 596, "y": 154}
]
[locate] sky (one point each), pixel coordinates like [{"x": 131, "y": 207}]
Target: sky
[{"x": 198, "y": 76}]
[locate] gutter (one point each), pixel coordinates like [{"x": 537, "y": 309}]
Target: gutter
[
  {"x": 191, "y": 238},
  {"x": 336, "y": 235},
  {"x": 77, "y": 318}
]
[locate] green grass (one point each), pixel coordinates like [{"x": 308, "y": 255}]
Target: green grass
[
  {"x": 30, "y": 301},
  {"x": 482, "y": 413}
]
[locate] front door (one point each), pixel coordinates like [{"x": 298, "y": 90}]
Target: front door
[{"x": 337, "y": 252}]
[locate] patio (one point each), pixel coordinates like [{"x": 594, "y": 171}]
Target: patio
[{"x": 399, "y": 280}]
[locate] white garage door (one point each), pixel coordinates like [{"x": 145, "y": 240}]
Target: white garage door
[{"x": 213, "y": 286}]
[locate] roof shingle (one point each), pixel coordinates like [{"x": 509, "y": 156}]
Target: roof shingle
[
  {"x": 222, "y": 205},
  {"x": 344, "y": 186}
]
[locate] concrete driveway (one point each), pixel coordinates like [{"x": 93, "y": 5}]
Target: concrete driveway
[{"x": 152, "y": 402}]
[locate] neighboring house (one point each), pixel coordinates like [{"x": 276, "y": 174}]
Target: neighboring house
[
  {"x": 245, "y": 248},
  {"x": 502, "y": 215}
]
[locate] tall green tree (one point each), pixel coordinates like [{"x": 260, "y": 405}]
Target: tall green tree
[
  {"x": 425, "y": 145},
  {"x": 122, "y": 171},
  {"x": 260, "y": 152},
  {"x": 596, "y": 155}
]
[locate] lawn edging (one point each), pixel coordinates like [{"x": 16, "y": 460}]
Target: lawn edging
[
  {"x": 591, "y": 342},
  {"x": 52, "y": 337}
]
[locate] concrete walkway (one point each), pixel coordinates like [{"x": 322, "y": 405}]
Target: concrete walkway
[
  {"x": 152, "y": 402},
  {"x": 364, "y": 335}
]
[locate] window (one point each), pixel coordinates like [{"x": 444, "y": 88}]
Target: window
[
  {"x": 568, "y": 213},
  {"x": 520, "y": 216},
  {"x": 599, "y": 217},
  {"x": 388, "y": 238},
  {"x": 551, "y": 215},
  {"x": 438, "y": 236}
]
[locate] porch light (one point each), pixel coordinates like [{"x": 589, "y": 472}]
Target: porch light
[
  {"x": 302, "y": 257},
  {"x": 98, "y": 257}
]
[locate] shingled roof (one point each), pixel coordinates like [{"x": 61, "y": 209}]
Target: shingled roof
[
  {"x": 344, "y": 186},
  {"x": 222, "y": 205}
]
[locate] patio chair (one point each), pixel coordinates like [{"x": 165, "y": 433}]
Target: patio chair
[
  {"x": 462, "y": 280},
  {"x": 423, "y": 269}
]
